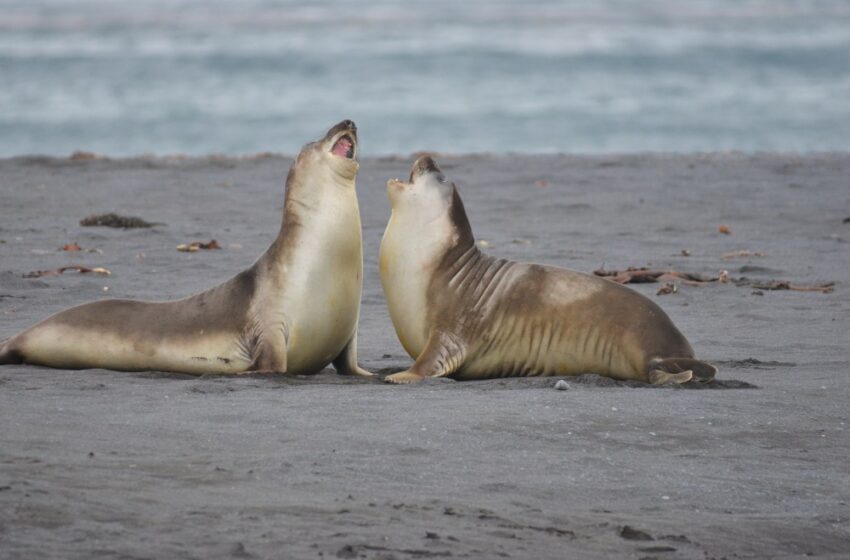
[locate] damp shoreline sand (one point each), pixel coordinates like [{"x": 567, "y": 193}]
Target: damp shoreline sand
[{"x": 100, "y": 464}]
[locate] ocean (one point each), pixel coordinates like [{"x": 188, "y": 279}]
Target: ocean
[{"x": 122, "y": 78}]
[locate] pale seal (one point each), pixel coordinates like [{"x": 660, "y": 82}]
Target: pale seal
[
  {"x": 295, "y": 310},
  {"x": 461, "y": 313}
]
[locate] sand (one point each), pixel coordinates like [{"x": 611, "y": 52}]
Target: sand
[{"x": 101, "y": 464}]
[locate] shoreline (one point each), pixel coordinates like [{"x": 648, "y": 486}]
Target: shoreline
[{"x": 89, "y": 156}]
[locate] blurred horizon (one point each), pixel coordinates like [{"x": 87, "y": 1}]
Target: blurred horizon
[{"x": 539, "y": 76}]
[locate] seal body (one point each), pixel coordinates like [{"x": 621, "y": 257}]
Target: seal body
[
  {"x": 295, "y": 310},
  {"x": 460, "y": 312}
]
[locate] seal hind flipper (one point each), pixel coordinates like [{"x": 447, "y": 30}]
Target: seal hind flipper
[
  {"x": 8, "y": 354},
  {"x": 702, "y": 371},
  {"x": 661, "y": 377},
  {"x": 443, "y": 355}
]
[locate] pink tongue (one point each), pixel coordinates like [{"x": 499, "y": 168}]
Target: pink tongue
[{"x": 341, "y": 147}]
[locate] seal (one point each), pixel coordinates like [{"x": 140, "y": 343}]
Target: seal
[
  {"x": 295, "y": 310},
  {"x": 464, "y": 314}
]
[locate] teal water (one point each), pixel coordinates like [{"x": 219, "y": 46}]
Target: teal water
[{"x": 192, "y": 76}]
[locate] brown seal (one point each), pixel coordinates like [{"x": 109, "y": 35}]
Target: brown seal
[
  {"x": 295, "y": 310},
  {"x": 461, "y": 313}
]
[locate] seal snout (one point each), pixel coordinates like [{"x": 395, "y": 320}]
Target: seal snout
[
  {"x": 343, "y": 126},
  {"x": 423, "y": 165}
]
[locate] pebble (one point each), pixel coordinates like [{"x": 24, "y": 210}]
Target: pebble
[{"x": 561, "y": 385}]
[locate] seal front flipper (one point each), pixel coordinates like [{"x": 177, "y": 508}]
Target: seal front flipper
[
  {"x": 346, "y": 362},
  {"x": 270, "y": 353},
  {"x": 443, "y": 355}
]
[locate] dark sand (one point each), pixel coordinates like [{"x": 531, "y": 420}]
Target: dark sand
[{"x": 100, "y": 464}]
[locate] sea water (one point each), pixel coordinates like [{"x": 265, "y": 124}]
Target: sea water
[{"x": 124, "y": 77}]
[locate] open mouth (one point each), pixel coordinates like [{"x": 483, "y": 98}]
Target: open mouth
[{"x": 344, "y": 147}]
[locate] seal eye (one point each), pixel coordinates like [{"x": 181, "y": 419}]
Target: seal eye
[{"x": 344, "y": 147}]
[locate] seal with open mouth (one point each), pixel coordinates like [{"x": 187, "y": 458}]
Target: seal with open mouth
[
  {"x": 295, "y": 310},
  {"x": 464, "y": 314}
]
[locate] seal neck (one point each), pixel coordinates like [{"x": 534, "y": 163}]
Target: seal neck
[
  {"x": 311, "y": 192},
  {"x": 457, "y": 215}
]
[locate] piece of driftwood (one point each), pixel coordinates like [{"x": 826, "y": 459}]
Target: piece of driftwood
[
  {"x": 57, "y": 271},
  {"x": 634, "y": 275},
  {"x": 667, "y": 288},
  {"x": 783, "y": 285},
  {"x": 742, "y": 253},
  {"x": 647, "y": 275},
  {"x": 196, "y": 245}
]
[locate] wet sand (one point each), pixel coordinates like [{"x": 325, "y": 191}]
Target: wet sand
[{"x": 101, "y": 464}]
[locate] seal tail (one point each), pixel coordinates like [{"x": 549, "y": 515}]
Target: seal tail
[
  {"x": 9, "y": 355},
  {"x": 680, "y": 370}
]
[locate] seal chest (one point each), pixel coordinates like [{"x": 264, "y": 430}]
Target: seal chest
[
  {"x": 323, "y": 291},
  {"x": 404, "y": 290},
  {"x": 407, "y": 260}
]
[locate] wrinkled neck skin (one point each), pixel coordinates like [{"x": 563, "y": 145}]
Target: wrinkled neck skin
[{"x": 460, "y": 265}]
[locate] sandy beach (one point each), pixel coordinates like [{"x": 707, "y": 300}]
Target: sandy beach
[{"x": 102, "y": 464}]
